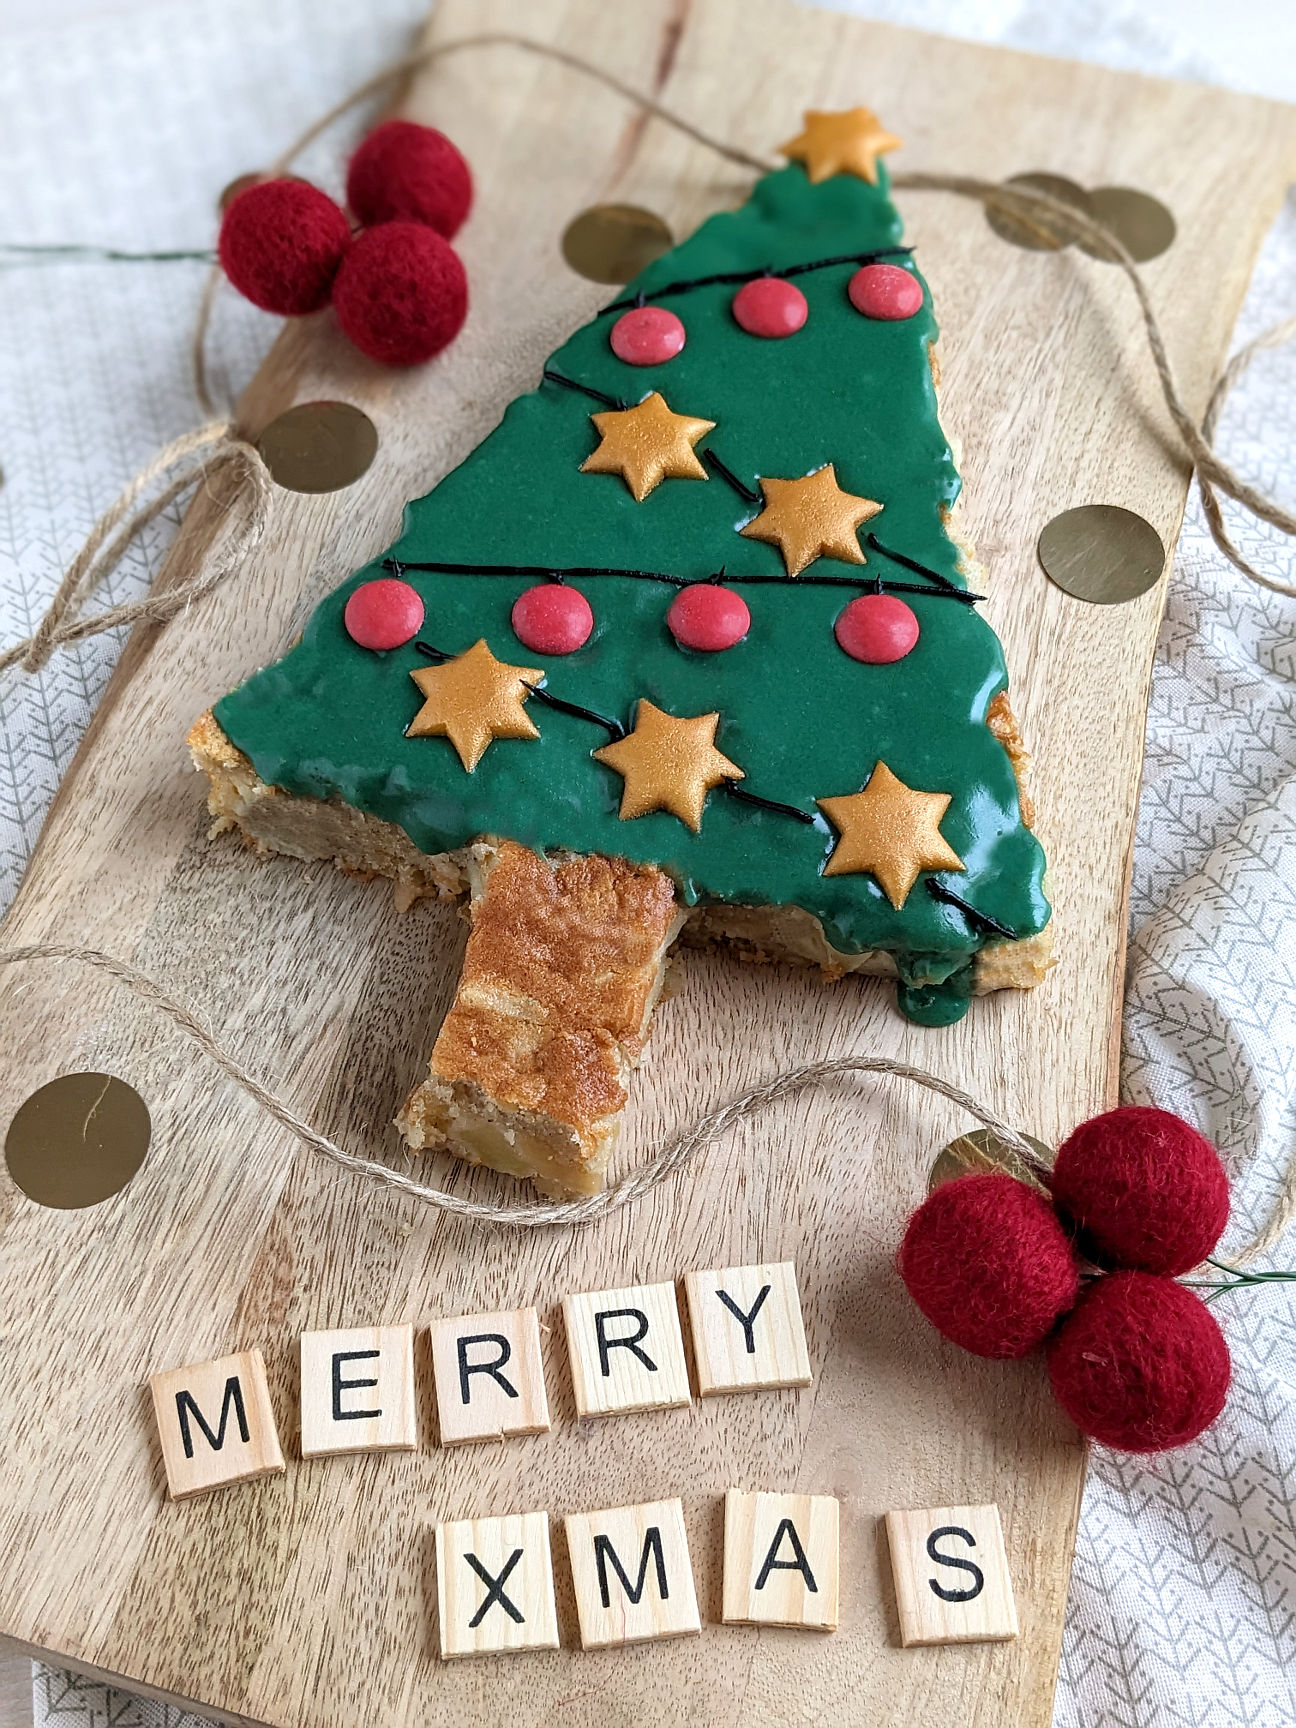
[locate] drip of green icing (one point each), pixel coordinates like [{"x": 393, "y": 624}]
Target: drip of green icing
[{"x": 797, "y": 714}]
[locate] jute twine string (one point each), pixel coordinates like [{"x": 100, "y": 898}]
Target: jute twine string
[
  {"x": 219, "y": 441},
  {"x": 199, "y": 455},
  {"x": 670, "y": 1159}
]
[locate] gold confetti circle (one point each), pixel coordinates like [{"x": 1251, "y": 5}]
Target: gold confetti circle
[
  {"x": 78, "y": 1140},
  {"x": 614, "y": 242},
  {"x": 319, "y": 446},
  {"x": 1139, "y": 221},
  {"x": 981, "y": 1151},
  {"x": 1038, "y": 232},
  {"x": 1101, "y": 553}
]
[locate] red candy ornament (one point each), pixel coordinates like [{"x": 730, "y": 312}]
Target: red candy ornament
[
  {"x": 708, "y": 617},
  {"x": 403, "y": 172},
  {"x": 877, "y": 629},
  {"x": 1143, "y": 1189},
  {"x": 382, "y": 614},
  {"x": 770, "y": 307},
  {"x": 986, "y": 1260},
  {"x": 1141, "y": 1364},
  {"x": 401, "y": 294},
  {"x": 647, "y": 336},
  {"x": 885, "y": 291},
  {"x": 552, "y": 618},
  {"x": 281, "y": 245}
]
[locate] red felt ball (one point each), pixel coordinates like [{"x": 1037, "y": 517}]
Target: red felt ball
[
  {"x": 885, "y": 291},
  {"x": 770, "y": 307},
  {"x": 281, "y": 243},
  {"x": 1141, "y": 1364},
  {"x": 1143, "y": 1189},
  {"x": 647, "y": 336},
  {"x": 708, "y": 617},
  {"x": 986, "y": 1260},
  {"x": 401, "y": 293},
  {"x": 403, "y": 172},
  {"x": 552, "y": 618},
  {"x": 877, "y": 629},
  {"x": 385, "y": 613}
]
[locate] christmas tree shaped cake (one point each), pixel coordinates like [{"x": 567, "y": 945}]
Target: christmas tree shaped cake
[{"x": 688, "y": 638}]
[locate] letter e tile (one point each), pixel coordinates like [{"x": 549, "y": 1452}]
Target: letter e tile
[{"x": 357, "y": 1391}]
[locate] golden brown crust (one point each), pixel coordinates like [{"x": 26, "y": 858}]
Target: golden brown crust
[
  {"x": 1003, "y": 723},
  {"x": 558, "y": 982}
]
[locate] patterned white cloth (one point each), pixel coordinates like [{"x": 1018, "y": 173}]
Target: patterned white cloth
[{"x": 122, "y": 131}]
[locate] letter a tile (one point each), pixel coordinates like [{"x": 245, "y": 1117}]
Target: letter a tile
[
  {"x": 495, "y": 1585},
  {"x": 489, "y": 1376},
  {"x": 747, "y": 1330},
  {"x": 780, "y": 1560},
  {"x": 216, "y": 1424},
  {"x": 631, "y": 1569},
  {"x": 951, "y": 1576},
  {"x": 357, "y": 1391},
  {"x": 626, "y": 1349}
]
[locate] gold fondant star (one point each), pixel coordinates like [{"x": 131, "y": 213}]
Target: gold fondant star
[
  {"x": 890, "y": 831},
  {"x": 811, "y": 518},
  {"x": 668, "y": 764},
  {"x": 646, "y": 445},
  {"x": 472, "y": 699},
  {"x": 846, "y": 142}
]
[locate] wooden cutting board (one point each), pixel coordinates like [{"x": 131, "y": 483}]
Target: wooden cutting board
[{"x": 310, "y": 1598}]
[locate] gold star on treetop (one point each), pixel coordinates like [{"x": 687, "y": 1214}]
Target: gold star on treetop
[
  {"x": 811, "y": 518},
  {"x": 668, "y": 764},
  {"x": 890, "y": 831},
  {"x": 646, "y": 445},
  {"x": 472, "y": 699},
  {"x": 846, "y": 142}
]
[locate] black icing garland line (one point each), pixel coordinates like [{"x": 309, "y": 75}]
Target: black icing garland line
[
  {"x": 618, "y": 731},
  {"x": 939, "y": 891},
  {"x": 602, "y": 396},
  {"x": 583, "y": 572},
  {"x": 743, "y": 490},
  {"x": 687, "y": 285}
]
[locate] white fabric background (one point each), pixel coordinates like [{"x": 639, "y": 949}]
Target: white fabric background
[{"x": 119, "y": 125}]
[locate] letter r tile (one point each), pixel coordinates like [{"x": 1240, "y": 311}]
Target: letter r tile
[
  {"x": 489, "y": 1376},
  {"x": 951, "y": 1576},
  {"x": 495, "y": 1585},
  {"x": 626, "y": 1349},
  {"x": 780, "y": 1560},
  {"x": 216, "y": 1424}
]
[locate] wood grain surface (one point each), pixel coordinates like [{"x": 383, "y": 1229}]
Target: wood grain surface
[{"x": 311, "y": 1598}]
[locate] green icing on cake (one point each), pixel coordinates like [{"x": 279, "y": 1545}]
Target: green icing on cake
[{"x": 801, "y": 718}]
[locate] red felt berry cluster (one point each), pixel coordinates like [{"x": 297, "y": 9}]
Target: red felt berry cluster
[
  {"x": 1135, "y": 1359},
  {"x": 397, "y": 286}
]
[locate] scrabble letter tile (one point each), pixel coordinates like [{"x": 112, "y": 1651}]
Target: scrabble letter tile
[
  {"x": 216, "y": 1424},
  {"x": 780, "y": 1560},
  {"x": 747, "y": 1331},
  {"x": 489, "y": 1377},
  {"x": 357, "y": 1391},
  {"x": 632, "y": 1574},
  {"x": 495, "y": 1585},
  {"x": 951, "y": 1576},
  {"x": 627, "y": 1351}
]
